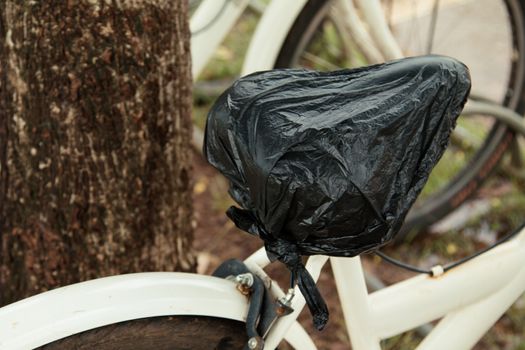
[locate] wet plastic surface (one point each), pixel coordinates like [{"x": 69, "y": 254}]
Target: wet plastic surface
[{"x": 330, "y": 163}]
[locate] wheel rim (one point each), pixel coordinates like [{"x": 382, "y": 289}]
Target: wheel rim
[{"x": 438, "y": 200}]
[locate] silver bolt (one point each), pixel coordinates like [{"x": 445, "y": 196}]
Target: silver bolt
[
  {"x": 287, "y": 299},
  {"x": 252, "y": 343},
  {"x": 245, "y": 279}
]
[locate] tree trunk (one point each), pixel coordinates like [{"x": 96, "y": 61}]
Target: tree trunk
[{"x": 95, "y": 127}]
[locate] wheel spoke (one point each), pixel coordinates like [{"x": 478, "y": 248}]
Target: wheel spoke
[
  {"x": 433, "y": 24},
  {"x": 318, "y": 61}
]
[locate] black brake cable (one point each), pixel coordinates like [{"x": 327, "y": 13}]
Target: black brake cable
[
  {"x": 401, "y": 264},
  {"x": 452, "y": 265}
]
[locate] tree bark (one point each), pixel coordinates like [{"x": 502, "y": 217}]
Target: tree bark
[{"x": 95, "y": 126}]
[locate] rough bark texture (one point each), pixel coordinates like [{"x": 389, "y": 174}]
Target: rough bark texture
[{"x": 95, "y": 125}]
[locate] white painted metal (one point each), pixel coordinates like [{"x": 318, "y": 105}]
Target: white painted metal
[
  {"x": 462, "y": 294},
  {"x": 358, "y": 32},
  {"x": 469, "y": 303},
  {"x": 270, "y": 34},
  {"x": 53, "y": 315},
  {"x": 477, "y": 319},
  {"x": 259, "y": 258},
  {"x": 353, "y": 295},
  {"x": 379, "y": 29},
  {"x": 297, "y": 337},
  {"x": 505, "y": 115},
  {"x": 422, "y": 299},
  {"x": 204, "y": 44},
  {"x": 256, "y": 262},
  {"x": 314, "y": 266}
]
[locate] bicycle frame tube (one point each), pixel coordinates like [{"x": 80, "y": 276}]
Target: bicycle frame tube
[
  {"x": 358, "y": 31},
  {"x": 270, "y": 34},
  {"x": 204, "y": 43},
  {"x": 286, "y": 325},
  {"x": 271, "y": 31},
  {"x": 463, "y": 295},
  {"x": 379, "y": 29},
  {"x": 280, "y": 16},
  {"x": 314, "y": 266}
]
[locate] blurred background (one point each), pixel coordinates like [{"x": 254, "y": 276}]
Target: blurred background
[{"x": 484, "y": 34}]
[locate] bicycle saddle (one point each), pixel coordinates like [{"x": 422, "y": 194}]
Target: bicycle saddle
[{"x": 330, "y": 162}]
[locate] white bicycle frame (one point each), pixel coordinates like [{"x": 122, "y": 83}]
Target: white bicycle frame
[
  {"x": 271, "y": 31},
  {"x": 469, "y": 299},
  {"x": 264, "y": 47}
]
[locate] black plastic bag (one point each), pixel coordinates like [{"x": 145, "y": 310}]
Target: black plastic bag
[{"x": 330, "y": 163}]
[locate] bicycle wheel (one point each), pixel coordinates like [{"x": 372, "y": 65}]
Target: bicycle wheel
[
  {"x": 159, "y": 333},
  {"x": 495, "y": 55}
]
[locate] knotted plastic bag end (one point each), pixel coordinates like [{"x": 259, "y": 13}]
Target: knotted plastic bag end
[{"x": 289, "y": 254}]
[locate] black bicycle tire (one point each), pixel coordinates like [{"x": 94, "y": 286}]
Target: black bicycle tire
[
  {"x": 465, "y": 184},
  {"x": 159, "y": 333}
]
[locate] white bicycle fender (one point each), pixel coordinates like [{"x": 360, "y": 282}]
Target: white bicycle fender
[
  {"x": 56, "y": 314},
  {"x": 270, "y": 34}
]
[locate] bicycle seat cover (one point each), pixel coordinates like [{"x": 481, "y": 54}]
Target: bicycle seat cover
[{"x": 331, "y": 162}]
